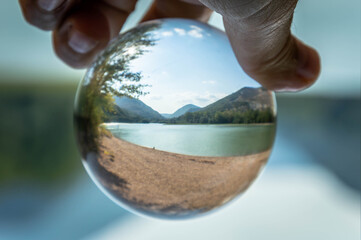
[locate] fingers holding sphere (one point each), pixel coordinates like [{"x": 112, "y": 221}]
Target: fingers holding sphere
[{"x": 262, "y": 43}]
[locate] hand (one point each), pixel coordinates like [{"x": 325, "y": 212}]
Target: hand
[{"x": 259, "y": 32}]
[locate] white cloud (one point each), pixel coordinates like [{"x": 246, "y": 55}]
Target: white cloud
[
  {"x": 169, "y": 103},
  {"x": 155, "y": 97},
  {"x": 211, "y": 82},
  {"x": 167, "y": 34},
  {"x": 201, "y": 100},
  {"x": 196, "y": 28},
  {"x": 195, "y": 33},
  {"x": 180, "y": 31}
]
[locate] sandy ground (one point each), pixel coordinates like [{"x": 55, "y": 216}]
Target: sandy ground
[{"x": 170, "y": 184}]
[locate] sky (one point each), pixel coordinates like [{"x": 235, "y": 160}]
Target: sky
[
  {"x": 191, "y": 63},
  {"x": 333, "y": 27}
]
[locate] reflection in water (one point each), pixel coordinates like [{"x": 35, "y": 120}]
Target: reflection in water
[{"x": 168, "y": 138}]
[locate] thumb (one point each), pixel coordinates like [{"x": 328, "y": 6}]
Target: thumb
[{"x": 267, "y": 51}]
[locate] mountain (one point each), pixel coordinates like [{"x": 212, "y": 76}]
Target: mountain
[
  {"x": 118, "y": 114},
  {"x": 244, "y": 99},
  {"x": 131, "y": 110},
  {"x": 182, "y": 110},
  {"x": 137, "y": 107},
  {"x": 247, "y": 105},
  {"x": 166, "y": 115}
]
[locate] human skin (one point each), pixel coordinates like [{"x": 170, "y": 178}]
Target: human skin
[{"x": 259, "y": 32}]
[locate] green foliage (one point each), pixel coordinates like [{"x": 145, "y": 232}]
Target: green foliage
[
  {"x": 112, "y": 73},
  {"x": 111, "y": 76},
  {"x": 225, "y": 117},
  {"x": 117, "y": 114}
]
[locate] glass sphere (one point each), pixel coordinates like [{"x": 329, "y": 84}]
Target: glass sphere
[{"x": 168, "y": 123}]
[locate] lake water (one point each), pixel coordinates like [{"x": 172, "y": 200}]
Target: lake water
[{"x": 198, "y": 140}]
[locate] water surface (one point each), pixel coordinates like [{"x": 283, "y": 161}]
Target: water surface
[{"x": 198, "y": 140}]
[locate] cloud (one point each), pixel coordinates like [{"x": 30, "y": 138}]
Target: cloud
[
  {"x": 195, "y": 33},
  {"x": 180, "y": 31},
  {"x": 196, "y": 28},
  {"x": 198, "y": 99},
  {"x": 167, "y": 34},
  {"x": 156, "y": 97},
  {"x": 169, "y": 103},
  {"x": 209, "y": 98},
  {"x": 210, "y": 82}
]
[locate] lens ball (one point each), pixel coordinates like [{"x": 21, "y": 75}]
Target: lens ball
[{"x": 167, "y": 122}]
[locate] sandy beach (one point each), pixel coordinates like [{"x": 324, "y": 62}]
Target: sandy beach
[{"x": 170, "y": 184}]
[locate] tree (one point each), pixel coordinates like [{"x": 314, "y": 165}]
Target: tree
[{"x": 111, "y": 75}]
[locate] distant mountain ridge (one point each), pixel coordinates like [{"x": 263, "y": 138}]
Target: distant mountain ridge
[
  {"x": 131, "y": 110},
  {"x": 137, "y": 107},
  {"x": 182, "y": 110},
  {"x": 244, "y": 99},
  {"x": 245, "y": 105}
]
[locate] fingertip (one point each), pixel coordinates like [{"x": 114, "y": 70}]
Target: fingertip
[
  {"x": 82, "y": 35},
  {"x": 308, "y": 63},
  {"x": 80, "y": 42},
  {"x": 302, "y": 76}
]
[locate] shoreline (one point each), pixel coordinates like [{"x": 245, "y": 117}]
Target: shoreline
[{"x": 196, "y": 124}]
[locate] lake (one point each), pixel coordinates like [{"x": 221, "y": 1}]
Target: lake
[{"x": 198, "y": 140}]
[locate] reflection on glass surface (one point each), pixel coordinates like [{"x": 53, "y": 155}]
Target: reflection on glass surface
[{"x": 167, "y": 122}]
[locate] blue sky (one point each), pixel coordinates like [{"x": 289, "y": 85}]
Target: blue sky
[{"x": 190, "y": 64}]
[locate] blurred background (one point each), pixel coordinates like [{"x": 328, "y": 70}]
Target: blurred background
[{"x": 310, "y": 188}]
